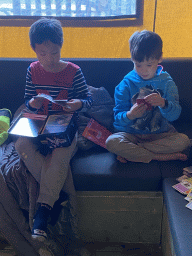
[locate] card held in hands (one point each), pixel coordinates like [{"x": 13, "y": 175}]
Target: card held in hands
[
  {"x": 61, "y": 102},
  {"x": 139, "y": 101}
]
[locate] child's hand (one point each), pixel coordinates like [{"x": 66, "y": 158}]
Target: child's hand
[
  {"x": 36, "y": 102},
  {"x": 155, "y": 99},
  {"x": 136, "y": 111},
  {"x": 72, "y": 105}
]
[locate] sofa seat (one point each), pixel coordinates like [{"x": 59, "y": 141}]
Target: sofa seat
[
  {"x": 179, "y": 219},
  {"x": 98, "y": 170}
]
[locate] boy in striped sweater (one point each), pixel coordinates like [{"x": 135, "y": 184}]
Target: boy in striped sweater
[{"x": 62, "y": 80}]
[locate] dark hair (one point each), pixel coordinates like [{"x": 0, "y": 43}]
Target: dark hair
[
  {"x": 44, "y": 30},
  {"x": 145, "y": 44}
]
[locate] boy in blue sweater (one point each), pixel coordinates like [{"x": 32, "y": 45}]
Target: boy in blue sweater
[{"x": 137, "y": 138}]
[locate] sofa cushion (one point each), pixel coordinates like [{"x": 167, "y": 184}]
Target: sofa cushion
[
  {"x": 179, "y": 218},
  {"x": 172, "y": 168},
  {"x": 98, "y": 170},
  {"x": 101, "y": 111}
]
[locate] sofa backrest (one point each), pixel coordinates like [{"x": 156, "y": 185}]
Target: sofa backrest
[{"x": 98, "y": 72}]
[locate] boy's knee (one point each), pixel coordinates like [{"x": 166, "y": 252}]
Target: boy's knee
[
  {"x": 59, "y": 152},
  {"x": 111, "y": 142},
  {"x": 185, "y": 140},
  {"x": 18, "y": 144},
  {"x": 181, "y": 142},
  {"x": 21, "y": 143}
]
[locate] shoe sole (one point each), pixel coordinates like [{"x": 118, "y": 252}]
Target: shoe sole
[
  {"x": 39, "y": 235},
  {"x": 39, "y": 238}
]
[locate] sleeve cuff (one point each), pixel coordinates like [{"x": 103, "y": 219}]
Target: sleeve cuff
[
  {"x": 166, "y": 104},
  {"x": 29, "y": 107}
]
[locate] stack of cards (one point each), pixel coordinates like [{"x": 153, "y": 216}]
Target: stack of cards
[
  {"x": 188, "y": 171},
  {"x": 185, "y": 185}
]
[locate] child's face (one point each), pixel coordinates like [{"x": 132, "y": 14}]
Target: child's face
[
  {"x": 147, "y": 68},
  {"x": 48, "y": 55}
]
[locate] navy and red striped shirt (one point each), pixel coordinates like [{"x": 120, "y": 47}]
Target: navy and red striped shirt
[{"x": 66, "y": 84}]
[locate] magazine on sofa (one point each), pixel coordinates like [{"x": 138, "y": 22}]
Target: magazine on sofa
[
  {"x": 96, "y": 133},
  {"x": 59, "y": 128}
]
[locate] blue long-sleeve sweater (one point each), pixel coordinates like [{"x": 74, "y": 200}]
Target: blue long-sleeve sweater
[{"x": 131, "y": 85}]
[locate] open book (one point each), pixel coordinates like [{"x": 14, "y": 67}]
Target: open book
[{"x": 57, "y": 129}]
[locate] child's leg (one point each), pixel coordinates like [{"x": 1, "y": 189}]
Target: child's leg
[
  {"x": 168, "y": 146},
  {"x": 50, "y": 171},
  {"x": 33, "y": 159},
  {"x": 34, "y": 162},
  {"x": 125, "y": 145},
  {"x": 54, "y": 173},
  {"x": 38, "y": 165},
  {"x": 162, "y": 147}
]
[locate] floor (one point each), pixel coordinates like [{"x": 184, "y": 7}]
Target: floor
[
  {"x": 105, "y": 249},
  {"x": 108, "y": 249}
]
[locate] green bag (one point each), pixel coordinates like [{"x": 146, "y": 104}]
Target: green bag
[{"x": 5, "y": 117}]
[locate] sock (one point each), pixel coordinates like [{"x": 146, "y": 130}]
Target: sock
[
  {"x": 46, "y": 206},
  {"x": 41, "y": 217},
  {"x": 57, "y": 207},
  {"x": 63, "y": 196}
]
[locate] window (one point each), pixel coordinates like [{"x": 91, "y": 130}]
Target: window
[{"x": 73, "y": 12}]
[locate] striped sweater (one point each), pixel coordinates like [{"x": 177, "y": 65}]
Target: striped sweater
[{"x": 66, "y": 84}]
